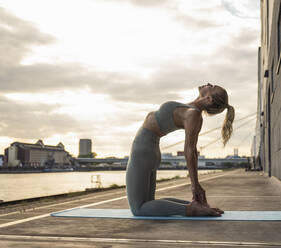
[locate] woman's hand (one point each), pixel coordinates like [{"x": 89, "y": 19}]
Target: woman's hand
[{"x": 199, "y": 195}]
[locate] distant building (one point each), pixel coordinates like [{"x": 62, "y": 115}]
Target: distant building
[
  {"x": 167, "y": 155},
  {"x": 1, "y": 160},
  {"x": 85, "y": 147},
  {"x": 38, "y": 154},
  {"x": 180, "y": 153},
  {"x": 235, "y": 152}
]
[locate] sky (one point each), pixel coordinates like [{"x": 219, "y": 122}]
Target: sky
[{"x": 74, "y": 69}]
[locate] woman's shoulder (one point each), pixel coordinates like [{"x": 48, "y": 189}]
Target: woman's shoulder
[
  {"x": 192, "y": 114},
  {"x": 187, "y": 115},
  {"x": 171, "y": 103}
]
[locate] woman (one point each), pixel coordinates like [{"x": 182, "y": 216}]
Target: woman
[{"x": 145, "y": 154}]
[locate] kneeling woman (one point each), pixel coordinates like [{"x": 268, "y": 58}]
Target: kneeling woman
[{"x": 145, "y": 154}]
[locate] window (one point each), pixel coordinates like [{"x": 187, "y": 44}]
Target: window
[
  {"x": 278, "y": 41},
  {"x": 272, "y": 75},
  {"x": 272, "y": 81}
]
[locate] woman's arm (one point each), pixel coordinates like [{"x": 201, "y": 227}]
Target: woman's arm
[{"x": 192, "y": 126}]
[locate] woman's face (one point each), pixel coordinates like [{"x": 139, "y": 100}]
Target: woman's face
[
  {"x": 218, "y": 94},
  {"x": 206, "y": 89}
]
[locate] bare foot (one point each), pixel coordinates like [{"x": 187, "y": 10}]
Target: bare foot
[
  {"x": 196, "y": 209},
  {"x": 218, "y": 210}
]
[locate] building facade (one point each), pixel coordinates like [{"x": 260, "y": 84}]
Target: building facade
[
  {"x": 36, "y": 155},
  {"x": 85, "y": 147},
  {"x": 1, "y": 160},
  {"x": 268, "y": 125}
]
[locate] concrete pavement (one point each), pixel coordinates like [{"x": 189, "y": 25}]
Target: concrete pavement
[{"x": 234, "y": 190}]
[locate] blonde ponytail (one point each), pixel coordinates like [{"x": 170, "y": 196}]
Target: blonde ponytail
[{"x": 227, "y": 124}]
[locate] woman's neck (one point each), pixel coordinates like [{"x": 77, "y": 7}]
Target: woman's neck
[{"x": 199, "y": 103}]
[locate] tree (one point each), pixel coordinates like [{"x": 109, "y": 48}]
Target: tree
[{"x": 90, "y": 155}]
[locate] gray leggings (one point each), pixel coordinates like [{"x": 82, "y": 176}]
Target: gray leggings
[{"x": 143, "y": 162}]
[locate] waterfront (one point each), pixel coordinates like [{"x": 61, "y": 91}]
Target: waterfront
[{"x": 24, "y": 186}]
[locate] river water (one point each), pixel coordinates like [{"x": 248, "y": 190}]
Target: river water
[{"x": 24, "y": 186}]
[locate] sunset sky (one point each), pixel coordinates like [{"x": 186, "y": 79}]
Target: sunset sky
[{"x": 73, "y": 69}]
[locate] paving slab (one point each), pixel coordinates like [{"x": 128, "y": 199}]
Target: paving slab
[{"x": 235, "y": 190}]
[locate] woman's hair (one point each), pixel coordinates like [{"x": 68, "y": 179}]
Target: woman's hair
[
  {"x": 227, "y": 129},
  {"x": 219, "y": 103}
]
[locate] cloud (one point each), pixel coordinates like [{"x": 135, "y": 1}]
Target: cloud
[
  {"x": 248, "y": 10},
  {"x": 41, "y": 77},
  {"x": 171, "y": 8},
  {"x": 195, "y": 22},
  {"x": 145, "y": 3},
  {"x": 164, "y": 83},
  {"x": 149, "y": 3},
  {"x": 31, "y": 121},
  {"x": 231, "y": 64},
  {"x": 121, "y": 87},
  {"x": 17, "y": 38}
]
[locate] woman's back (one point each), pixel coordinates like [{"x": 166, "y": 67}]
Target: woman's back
[{"x": 165, "y": 116}]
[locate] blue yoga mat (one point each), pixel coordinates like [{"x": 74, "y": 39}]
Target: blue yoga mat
[{"x": 126, "y": 214}]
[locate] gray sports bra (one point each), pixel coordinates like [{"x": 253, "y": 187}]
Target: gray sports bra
[{"x": 164, "y": 116}]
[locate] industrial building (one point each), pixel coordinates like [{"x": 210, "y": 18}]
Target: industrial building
[
  {"x": 1, "y": 160},
  {"x": 36, "y": 155},
  {"x": 85, "y": 147},
  {"x": 266, "y": 146}
]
